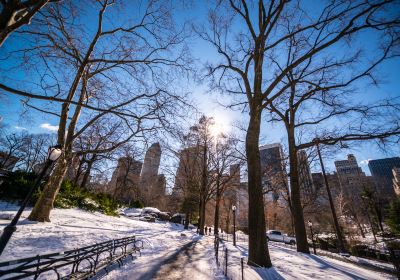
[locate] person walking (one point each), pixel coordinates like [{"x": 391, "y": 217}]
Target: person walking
[
  {"x": 205, "y": 230},
  {"x": 209, "y": 231}
]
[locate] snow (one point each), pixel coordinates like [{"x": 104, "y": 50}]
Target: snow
[
  {"x": 74, "y": 228},
  {"x": 148, "y": 210},
  {"x": 131, "y": 212},
  {"x": 289, "y": 264},
  {"x": 169, "y": 252},
  {"x": 193, "y": 261}
]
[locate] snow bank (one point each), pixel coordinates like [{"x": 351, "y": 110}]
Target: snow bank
[{"x": 74, "y": 228}]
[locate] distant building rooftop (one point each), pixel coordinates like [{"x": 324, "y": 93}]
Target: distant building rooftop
[{"x": 269, "y": 146}]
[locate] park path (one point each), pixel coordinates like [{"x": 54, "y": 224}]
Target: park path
[{"x": 194, "y": 262}]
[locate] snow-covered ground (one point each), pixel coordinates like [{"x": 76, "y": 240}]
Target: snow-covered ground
[
  {"x": 74, "y": 228},
  {"x": 289, "y": 264},
  {"x": 170, "y": 252}
]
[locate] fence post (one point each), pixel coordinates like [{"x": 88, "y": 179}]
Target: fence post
[
  {"x": 226, "y": 261},
  {"x": 216, "y": 249},
  {"x": 241, "y": 265}
]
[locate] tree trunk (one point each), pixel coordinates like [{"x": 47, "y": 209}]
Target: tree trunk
[
  {"x": 187, "y": 220},
  {"x": 203, "y": 213},
  {"x": 295, "y": 196},
  {"x": 202, "y": 216},
  {"x": 203, "y": 187},
  {"x": 200, "y": 223},
  {"x": 258, "y": 248},
  {"x": 360, "y": 229},
  {"x": 379, "y": 217},
  {"x": 87, "y": 173},
  {"x": 216, "y": 213},
  {"x": 43, "y": 206},
  {"x": 79, "y": 171}
]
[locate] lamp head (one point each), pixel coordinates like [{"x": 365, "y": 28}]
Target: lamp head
[
  {"x": 54, "y": 152},
  {"x": 233, "y": 208}
]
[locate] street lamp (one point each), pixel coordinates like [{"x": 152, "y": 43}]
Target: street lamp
[
  {"x": 312, "y": 236},
  {"x": 53, "y": 154},
  {"x": 328, "y": 190},
  {"x": 234, "y": 224}
]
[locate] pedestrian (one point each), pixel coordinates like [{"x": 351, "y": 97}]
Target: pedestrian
[
  {"x": 209, "y": 231},
  {"x": 205, "y": 230}
]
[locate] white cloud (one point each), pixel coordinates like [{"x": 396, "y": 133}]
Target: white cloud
[
  {"x": 49, "y": 127},
  {"x": 365, "y": 161},
  {"x": 20, "y": 128}
]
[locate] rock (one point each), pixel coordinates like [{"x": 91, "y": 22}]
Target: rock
[
  {"x": 176, "y": 218},
  {"x": 163, "y": 216}
]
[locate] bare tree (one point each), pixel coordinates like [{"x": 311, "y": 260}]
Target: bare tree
[
  {"x": 123, "y": 69},
  {"x": 188, "y": 175},
  {"x": 225, "y": 172},
  {"x": 24, "y": 150},
  {"x": 247, "y": 71},
  {"x": 102, "y": 135}
]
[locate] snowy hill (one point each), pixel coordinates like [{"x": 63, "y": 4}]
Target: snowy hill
[
  {"x": 74, "y": 228},
  {"x": 169, "y": 252}
]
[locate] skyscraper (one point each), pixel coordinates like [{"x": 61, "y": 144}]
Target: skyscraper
[
  {"x": 305, "y": 179},
  {"x": 189, "y": 170},
  {"x": 351, "y": 176},
  {"x": 125, "y": 179},
  {"x": 273, "y": 168},
  {"x": 149, "y": 180},
  {"x": 381, "y": 170}
]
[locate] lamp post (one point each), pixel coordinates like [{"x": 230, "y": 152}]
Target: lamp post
[
  {"x": 53, "y": 154},
  {"x": 335, "y": 220},
  {"x": 312, "y": 236},
  {"x": 234, "y": 224}
]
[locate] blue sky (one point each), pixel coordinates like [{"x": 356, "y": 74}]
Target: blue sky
[{"x": 14, "y": 115}]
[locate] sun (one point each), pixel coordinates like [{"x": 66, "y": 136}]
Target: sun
[{"x": 220, "y": 126}]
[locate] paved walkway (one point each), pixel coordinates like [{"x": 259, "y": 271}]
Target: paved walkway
[{"x": 194, "y": 262}]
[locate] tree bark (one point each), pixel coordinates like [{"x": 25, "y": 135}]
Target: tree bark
[
  {"x": 360, "y": 229},
  {"x": 79, "y": 171},
  {"x": 379, "y": 216},
  {"x": 216, "y": 213},
  {"x": 295, "y": 196},
  {"x": 187, "y": 220},
  {"x": 204, "y": 177},
  {"x": 258, "y": 249},
  {"x": 43, "y": 206},
  {"x": 87, "y": 173},
  {"x": 200, "y": 223}
]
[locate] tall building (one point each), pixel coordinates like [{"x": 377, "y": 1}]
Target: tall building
[
  {"x": 273, "y": 168},
  {"x": 149, "y": 180},
  {"x": 234, "y": 173},
  {"x": 381, "y": 170},
  {"x": 351, "y": 177},
  {"x": 320, "y": 188},
  {"x": 189, "y": 170},
  {"x": 124, "y": 184},
  {"x": 396, "y": 180},
  {"x": 305, "y": 179}
]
